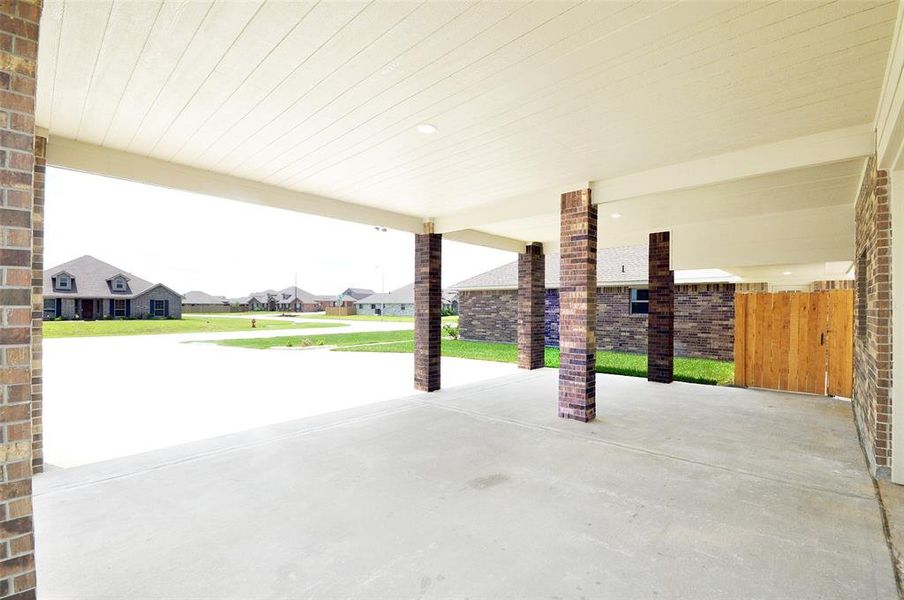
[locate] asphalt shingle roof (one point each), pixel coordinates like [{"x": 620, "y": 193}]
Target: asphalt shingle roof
[
  {"x": 403, "y": 295},
  {"x": 621, "y": 265},
  {"x": 91, "y": 280},
  {"x": 196, "y": 297}
]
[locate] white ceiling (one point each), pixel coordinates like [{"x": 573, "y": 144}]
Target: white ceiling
[
  {"x": 738, "y": 126},
  {"x": 324, "y": 97}
]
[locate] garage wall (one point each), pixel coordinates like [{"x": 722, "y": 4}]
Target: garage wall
[
  {"x": 872, "y": 320},
  {"x": 704, "y": 319}
]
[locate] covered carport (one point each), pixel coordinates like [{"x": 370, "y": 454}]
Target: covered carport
[{"x": 752, "y": 137}]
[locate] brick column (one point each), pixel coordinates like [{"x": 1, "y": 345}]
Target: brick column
[
  {"x": 18, "y": 50},
  {"x": 661, "y": 320},
  {"x": 37, "y": 306},
  {"x": 531, "y": 304},
  {"x": 577, "y": 308},
  {"x": 428, "y": 302}
]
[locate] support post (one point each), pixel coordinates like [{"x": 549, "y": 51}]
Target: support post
[
  {"x": 37, "y": 307},
  {"x": 19, "y": 21},
  {"x": 428, "y": 300},
  {"x": 577, "y": 307},
  {"x": 531, "y": 307},
  {"x": 661, "y": 317}
]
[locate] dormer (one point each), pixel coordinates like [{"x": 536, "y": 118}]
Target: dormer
[
  {"x": 118, "y": 283},
  {"x": 63, "y": 281}
]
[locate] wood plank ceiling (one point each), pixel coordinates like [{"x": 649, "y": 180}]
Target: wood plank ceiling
[{"x": 325, "y": 97}]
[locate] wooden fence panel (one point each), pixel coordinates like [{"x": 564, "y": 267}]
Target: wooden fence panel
[{"x": 795, "y": 341}]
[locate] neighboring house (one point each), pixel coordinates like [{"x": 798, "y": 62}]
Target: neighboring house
[
  {"x": 399, "y": 303},
  {"x": 290, "y": 299},
  {"x": 88, "y": 288},
  {"x": 200, "y": 302},
  {"x": 704, "y": 306}
]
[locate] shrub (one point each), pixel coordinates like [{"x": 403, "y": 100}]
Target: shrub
[{"x": 451, "y": 330}]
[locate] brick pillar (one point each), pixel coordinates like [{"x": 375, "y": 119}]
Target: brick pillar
[
  {"x": 18, "y": 50},
  {"x": 531, "y": 304},
  {"x": 37, "y": 306},
  {"x": 577, "y": 308},
  {"x": 661, "y": 320},
  {"x": 428, "y": 302}
]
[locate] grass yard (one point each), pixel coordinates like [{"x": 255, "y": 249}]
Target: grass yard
[
  {"x": 387, "y": 319},
  {"x": 188, "y": 324},
  {"x": 338, "y": 339},
  {"x": 692, "y": 370}
]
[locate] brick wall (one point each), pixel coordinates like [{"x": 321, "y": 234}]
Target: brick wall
[
  {"x": 872, "y": 323},
  {"x": 660, "y": 330},
  {"x": 37, "y": 307},
  {"x": 531, "y": 307},
  {"x": 141, "y": 305},
  {"x": 577, "y": 305},
  {"x": 18, "y": 49},
  {"x": 428, "y": 300},
  {"x": 704, "y": 319}
]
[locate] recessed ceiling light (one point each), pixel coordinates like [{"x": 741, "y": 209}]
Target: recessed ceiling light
[
  {"x": 786, "y": 272},
  {"x": 426, "y": 128},
  {"x": 615, "y": 215}
]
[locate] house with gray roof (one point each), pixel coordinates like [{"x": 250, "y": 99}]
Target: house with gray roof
[
  {"x": 399, "y": 303},
  {"x": 290, "y": 299},
  {"x": 202, "y": 302},
  {"x": 704, "y": 305},
  {"x": 88, "y": 288}
]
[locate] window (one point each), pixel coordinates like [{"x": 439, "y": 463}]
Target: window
[
  {"x": 119, "y": 284},
  {"x": 50, "y": 308},
  {"x": 119, "y": 308},
  {"x": 401, "y": 307},
  {"x": 297, "y": 307},
  {"x": 64, "y": 282},
  {"x": 640, "y": 301},
  {"x": 159, "y": 308}
]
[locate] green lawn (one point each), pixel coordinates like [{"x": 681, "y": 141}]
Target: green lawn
[
  {"x": 338, "y": 339},
  {"x": 693, "y": 370},
  {"x": 188, "y": 324},
  {"x": 450, "y": 319}
]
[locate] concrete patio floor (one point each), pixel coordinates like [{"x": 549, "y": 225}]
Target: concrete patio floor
[{"x": 480, "y": 491}]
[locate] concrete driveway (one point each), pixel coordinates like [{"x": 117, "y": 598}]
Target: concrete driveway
[
  {"x": 480, "y": 491},
  {"x": 107, "y": 397}
]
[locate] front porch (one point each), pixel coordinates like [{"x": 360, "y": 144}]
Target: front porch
[{"x": 674, "y": 490}]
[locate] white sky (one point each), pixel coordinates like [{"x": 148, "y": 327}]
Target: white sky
[{"x": 222, "y": 247}]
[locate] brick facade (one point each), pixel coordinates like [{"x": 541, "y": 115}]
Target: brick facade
[
  {"x": 37, "y": 307},
  {"x": 872, "y": 320},
  {"x": 428, "y": 301},
  {"x": 531, "y": 307},
  {"x": 704, "y": 319},
  {"x": 660, "y": 321},
  {"x": 18, "y": 48},
  {"x": 577, "y": 298}
]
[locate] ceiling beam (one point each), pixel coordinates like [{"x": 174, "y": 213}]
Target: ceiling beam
[
  {"x": 890, "y": 113},
  {"x": 788, "y": 155},
  {"x": 808, "y": 151},
  {"x": 79, "y": 156},
  {"x": 479, "y": 238}
]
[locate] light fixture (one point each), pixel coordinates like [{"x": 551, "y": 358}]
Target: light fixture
[
  {"x": 615, "y": 215},
  {"x": 426, "y": 128},
  {"x": 786, "y": 272}
]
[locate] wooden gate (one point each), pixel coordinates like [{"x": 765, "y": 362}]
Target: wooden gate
[{"x": 795, "y": 341}]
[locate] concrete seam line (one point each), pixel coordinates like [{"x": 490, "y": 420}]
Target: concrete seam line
[{"x": 639, "y": 450}]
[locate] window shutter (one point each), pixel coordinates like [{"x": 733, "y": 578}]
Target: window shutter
[
  {"x": 166, "y": 308},
  {"x": 128, "y": 308}
]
